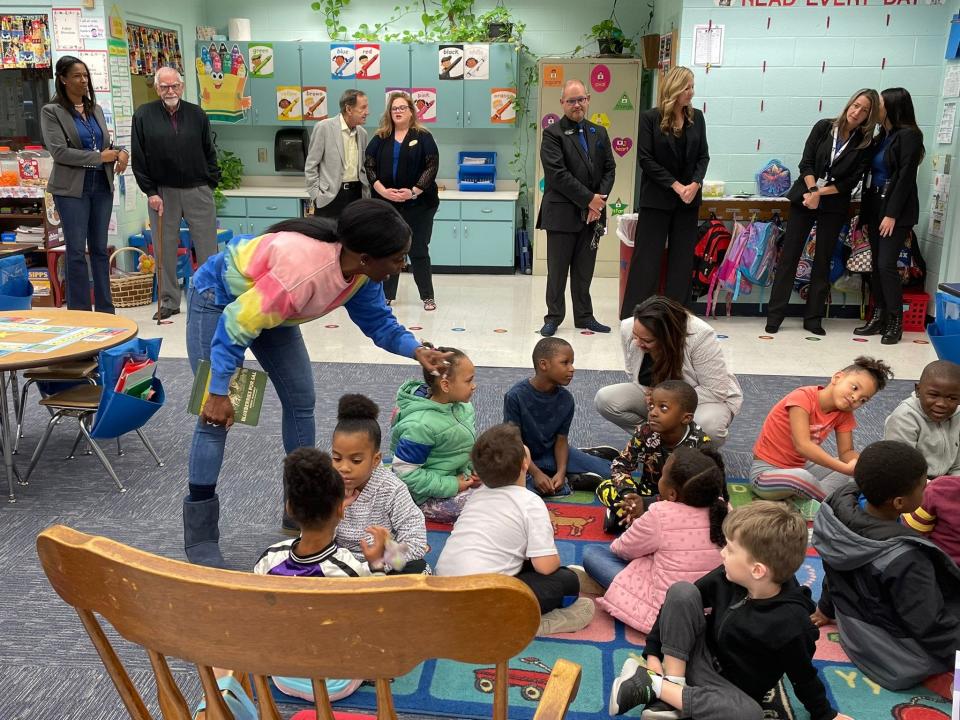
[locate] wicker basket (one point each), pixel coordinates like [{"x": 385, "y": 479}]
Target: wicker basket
[{"x": 130, "y": 289}]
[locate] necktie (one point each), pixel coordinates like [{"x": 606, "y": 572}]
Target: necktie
[{"x": 583, "y": 140}]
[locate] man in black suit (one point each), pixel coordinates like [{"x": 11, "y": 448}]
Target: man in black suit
[{"x": 579, "y": 170}]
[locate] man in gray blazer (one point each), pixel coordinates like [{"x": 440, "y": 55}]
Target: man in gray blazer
[{"x": 334, "y": 165}]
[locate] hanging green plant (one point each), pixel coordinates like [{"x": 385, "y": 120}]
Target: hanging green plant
[
  {"x": 231, "y": 174},
  {"x": 331, "y": 10}
]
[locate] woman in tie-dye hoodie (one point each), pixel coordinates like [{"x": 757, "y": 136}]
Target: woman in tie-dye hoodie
[{"x": 254, "y": 295}]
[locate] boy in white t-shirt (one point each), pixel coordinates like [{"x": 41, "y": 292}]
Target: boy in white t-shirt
[{"x": 504, "y": 528}]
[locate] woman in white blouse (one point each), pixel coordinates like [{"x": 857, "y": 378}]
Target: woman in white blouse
[{"x": 662, "y": 341}]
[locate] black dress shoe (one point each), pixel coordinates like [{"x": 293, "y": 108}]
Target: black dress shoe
[
  {"x": 814, "y": 327},
  {"x": 164, "y": 313},
  {"x": 594, "y": 325},
  {"x": 771, "y": 328},
  {"x": 549, "y": 329}
]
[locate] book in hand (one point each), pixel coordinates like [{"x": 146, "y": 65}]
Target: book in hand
[{"x": 246, "y": 391}]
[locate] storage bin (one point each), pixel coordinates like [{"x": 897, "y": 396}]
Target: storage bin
[
  {"x": 915, "y": 311},
  {"x": 477, "y": 176}
]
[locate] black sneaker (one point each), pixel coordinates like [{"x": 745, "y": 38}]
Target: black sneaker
[
  {"x": 602, "y": 451},
  {"x": 632, "y": 688},
  {"x": 660, "y": 710},
  {"x": 584, "y": 481}
]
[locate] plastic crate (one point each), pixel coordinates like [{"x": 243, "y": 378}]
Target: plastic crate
[
  {"x": 915, "y": 311},
  {"x": 477, "y": 177}
]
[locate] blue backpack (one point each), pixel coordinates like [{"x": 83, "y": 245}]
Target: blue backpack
[{"x": 773, "y": 180}]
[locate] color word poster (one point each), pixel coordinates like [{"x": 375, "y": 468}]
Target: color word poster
[
  {"x": 343, "y": 62},
  {"x": 451, "y": 62},
  {"x": 476, "y": 62},
  {"x": 368, "y": 61},
  {"x": 314, "y": 101},
  {"x": 425, "y": 104}
]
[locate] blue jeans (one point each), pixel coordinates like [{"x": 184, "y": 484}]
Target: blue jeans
[
  {"x": 85, "y": 221},
  {"x": 282, "y": 354},
  {"x": 601, "y": 564},
  {"x": 577, "y": 462}
]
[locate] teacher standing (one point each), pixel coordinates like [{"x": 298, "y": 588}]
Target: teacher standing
[
  {"x": 81, "y": 182},
  {"x": 401, "y": 164},
  {"x": 254, "y": 295},
  {"x": 673, "y": 156},
  {"x": 835, "y": 157}
]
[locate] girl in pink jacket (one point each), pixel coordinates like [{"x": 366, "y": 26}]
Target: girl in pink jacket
[{"x": 678, "y": 538}]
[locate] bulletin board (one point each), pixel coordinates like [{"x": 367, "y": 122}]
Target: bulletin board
[
  {"x": 153, "y": 48},
  {"x": 24, "y": 42}
]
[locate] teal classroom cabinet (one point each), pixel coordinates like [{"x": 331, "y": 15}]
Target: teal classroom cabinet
[
  {"x": 253, "y": 215},
  {"x": 473, "y": 235}
]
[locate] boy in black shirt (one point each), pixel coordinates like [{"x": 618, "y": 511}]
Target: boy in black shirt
[{"x": 721, "y": 665}]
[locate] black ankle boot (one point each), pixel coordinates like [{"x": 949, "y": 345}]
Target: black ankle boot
[
  {"x": 876, "y": 325},
  {"x": 894, "y": 330},
  {"x": 813, "y": 326}
]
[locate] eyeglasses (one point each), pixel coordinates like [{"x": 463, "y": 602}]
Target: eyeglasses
[
  {"x": 174, "y": 86},
  {"x": 399, "y": 109},
  {"x": 576, "y": 100}
]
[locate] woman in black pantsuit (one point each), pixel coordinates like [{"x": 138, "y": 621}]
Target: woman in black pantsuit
[
  {"x": 834, "y": 160},
  {"x": 672, "y": 151},
  {"x": 890, "y": 208},
  {"x": 401, "y": 164}
]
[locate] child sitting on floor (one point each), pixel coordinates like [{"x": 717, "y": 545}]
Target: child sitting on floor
[
  {"x": 543, "y": 408},
  {"x": 432, "y": 432},
  {"x": 636, "y": 472},
  {"x": 895, "y": 595},
  {"x": 722, "y": 664},
  {"x": 375, "y": 496},
  {"x": 504, "y": 528},
  {"x": 928, "y": 420},
  {"x": 677, "y": 539},
  {"x": 315, "y": 496},
  {"x": 787, "y": 458}
]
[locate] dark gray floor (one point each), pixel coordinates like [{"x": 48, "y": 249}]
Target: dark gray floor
[{"x": 48, "y": 668}]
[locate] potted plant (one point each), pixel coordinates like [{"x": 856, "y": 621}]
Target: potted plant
[
  {"x": 231, "y": 173},
  {"x": 498, "y": 22},
  {"x": 610, "y": 38}
]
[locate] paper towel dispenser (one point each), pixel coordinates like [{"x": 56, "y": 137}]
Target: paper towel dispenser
[{"x": 290, "y": 149}]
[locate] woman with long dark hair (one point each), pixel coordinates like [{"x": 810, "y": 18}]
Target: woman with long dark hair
[
  {"x": 401, "y": 164},
  {"x": 890, "y": 208},
  {"x": 834, "y": 160},
  {"x": 673, "y": 156},
  {"x": 254, "y": 295},
  {"x": 663, "y": 341},
  {"x": 75, "y": 133}
]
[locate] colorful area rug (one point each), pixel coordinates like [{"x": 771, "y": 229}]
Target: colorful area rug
[{"x": 452, "y": 689}]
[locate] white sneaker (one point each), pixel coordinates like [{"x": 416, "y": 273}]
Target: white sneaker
[
  {"x": 587, "y": 584},
  {"x": 569, "y": 619}
]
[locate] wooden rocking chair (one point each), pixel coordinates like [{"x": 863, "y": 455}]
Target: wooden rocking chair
[{"x": 372, "y": 628}]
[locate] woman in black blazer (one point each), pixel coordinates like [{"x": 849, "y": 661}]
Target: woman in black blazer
[
  {"x": 890, "y": 208},
  {"x": 401, "y": 164},
  {"x": 672, "y": 151},
  {"x": 834, "y": 160}
]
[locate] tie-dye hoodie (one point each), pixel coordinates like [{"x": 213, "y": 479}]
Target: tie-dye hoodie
[{"x": 286, "y": 278}]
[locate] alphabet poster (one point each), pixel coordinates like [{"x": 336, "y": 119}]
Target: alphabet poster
[
  {"x": 342, "y": 62},
  {"x": 476, "y": 62},
  {"x": 502, "y": 109},
  {"x": 261, "y": 60},
  {"x": 368, "y": 61},
  {"x": 314, "y": 102},
  {"x": 288, "y": 102},
  {"x": 451, "y": 62},
  {"x": 425, "y": 104}
]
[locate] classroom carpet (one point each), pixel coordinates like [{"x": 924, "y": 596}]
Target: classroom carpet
[{"x": 48, "y": 668}]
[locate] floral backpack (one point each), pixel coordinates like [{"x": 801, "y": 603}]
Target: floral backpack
[{"x": 773, "y": 180}]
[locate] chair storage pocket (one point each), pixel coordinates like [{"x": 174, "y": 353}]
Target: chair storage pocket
[{"x": 120, "y": 413}]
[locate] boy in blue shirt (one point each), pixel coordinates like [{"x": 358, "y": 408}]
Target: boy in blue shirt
[{"x": 543, "y": 408}]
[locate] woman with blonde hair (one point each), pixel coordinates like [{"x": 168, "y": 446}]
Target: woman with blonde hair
[
  {"x": 672, "y": 150},
  {"x": 401, "y": 164},
  {"x": 835, "y": 158}
]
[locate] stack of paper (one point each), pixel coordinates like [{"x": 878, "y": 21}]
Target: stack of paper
[
  {"x": 30, "y": 234},
  {"x": 136, "y": 378}
]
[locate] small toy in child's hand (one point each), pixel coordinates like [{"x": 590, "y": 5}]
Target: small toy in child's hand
[
  {"x": 146, "y": 265},
  {"x": 395, "y": 554}
]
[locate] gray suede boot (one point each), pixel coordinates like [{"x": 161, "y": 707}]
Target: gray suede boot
[{"x": 201, "y": 532}]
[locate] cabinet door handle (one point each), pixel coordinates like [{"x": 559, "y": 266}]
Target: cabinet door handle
[
  {"x": 468, "y": 117},
  {"x": 271, "y": 207},
  {"x": 466, "y": 231},
  {"x": 455, "y": 230},
  {"x": 486, "y": 210},
  {"x": 256, "y": 113},
  {"x": 458, "y": 116}
]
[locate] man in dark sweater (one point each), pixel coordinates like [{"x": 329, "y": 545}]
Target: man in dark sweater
[
  {"x": 720, "y": 666},
  {"x": 175, "y": 164},
  {"x": 895, "y": 595}
]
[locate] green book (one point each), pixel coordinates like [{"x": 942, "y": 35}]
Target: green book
[{"x": 247, "y": 388}]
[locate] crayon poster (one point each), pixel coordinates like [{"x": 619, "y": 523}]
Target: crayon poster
[
  {"x": 368, "y": 61},
  {"x": 502, "y": 108},
  {"x": 261, "y": 60},
  {"x": 476, "y": 62},
  {"x": 288, "y": 102},
  {"x": 342, "y": 62},
  {"x": 451, "y": 62},
  {"x": 389, "y": 90},
  {"x": 314, "y": 103},
  {"x": 425, "y": 104}
]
